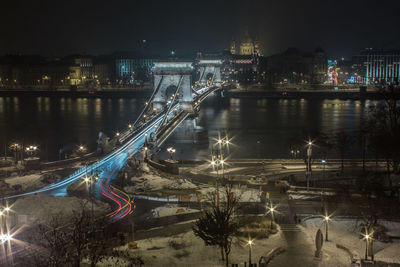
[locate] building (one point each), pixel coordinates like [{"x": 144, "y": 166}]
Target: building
[
  {"x": 103, "y": 71},
  {"x": 378, "y": 66},
  {"x": 35, "y": 71},
  {"x": 240, "y": 68},
  {"x": 295, "y": 67},
  {"x": 131, "y": 68},
  {"x": 247, "y": 46}
]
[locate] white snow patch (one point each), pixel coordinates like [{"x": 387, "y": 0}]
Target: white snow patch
[
  {"x": 170, "y": 210},
  {"x": 33, "y": 209},
  {"x": 347, "y": 233},
  {"x": 158, "y": 251},
  {"x": 244, "y": 194},
  {"x": 181, "y": 184},
  {"x": 25, "y": 181}
]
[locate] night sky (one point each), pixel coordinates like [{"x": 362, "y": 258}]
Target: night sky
[{"x": 56, "y": 28}]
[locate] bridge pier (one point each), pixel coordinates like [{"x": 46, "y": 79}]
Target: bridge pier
[
  {"x": 172, "y": 77},
  {"x": 210, "y": 66}
]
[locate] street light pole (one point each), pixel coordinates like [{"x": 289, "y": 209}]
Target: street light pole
[
  {"x": 309, "y": 153},
  {"x": 326, "y": 219},
  {"x": 250, "y": 242}
]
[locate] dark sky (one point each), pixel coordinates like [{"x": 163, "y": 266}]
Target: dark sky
[{"x": 60, "y": 27}]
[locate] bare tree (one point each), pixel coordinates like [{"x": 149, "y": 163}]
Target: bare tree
[
  {"x": 342, "y": 141},
  {"x": 218, "y": 226},
  {"x": 383, "y": 127},
  {"x": 67, "y": 240},
  {"x": 49, "y": 244}
]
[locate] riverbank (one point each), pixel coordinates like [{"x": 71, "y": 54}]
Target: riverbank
[
  {"x": 105, "y": 93},
  {"x": 320, "y": 94}
]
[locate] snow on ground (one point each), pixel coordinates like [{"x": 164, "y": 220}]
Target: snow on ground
[
  {"x": 181, "y": 184},
  {"x": 151, "y": 182},
  {"x": 25, "y": 181},
  {"x": 392, "y": 227},
  {"x": 190, "y": 251},
  {"x": 245, "y": 194},
  {"x": 228, "y": 170},
  {"x": 347, "y": 233},
  {"x": 147, "y": 182},
  {"x": 41, "y": 208},
  {"x": 170, "y": 210},
  {"x": 308, "y": 195}
]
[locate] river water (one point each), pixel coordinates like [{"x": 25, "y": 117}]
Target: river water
[{"x": 258, "y": 127}]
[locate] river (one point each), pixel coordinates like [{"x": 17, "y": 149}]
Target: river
[{"x": 258, "y": 127}]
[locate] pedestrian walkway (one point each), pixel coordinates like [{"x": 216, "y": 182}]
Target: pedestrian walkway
[
  {"x": 289, "y": 227},
  {"x": 300, "y": 249}
]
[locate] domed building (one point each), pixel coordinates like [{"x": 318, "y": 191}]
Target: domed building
[{"x": 247, "y": 46}]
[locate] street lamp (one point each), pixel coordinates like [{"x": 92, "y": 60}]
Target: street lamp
[
  {"x": 222, "y": 162},
  {"x": 5, "y": 237},
  {"x": 294, "y": 153},
  {"x": 271, "y": 211},
  {"x": 250, "y": 243},
  {"x": 15, "y": 147},
  {"x": 81, "y": 149},
  {"x": 31, "y": 150},
  {"x": 309, "y": 154},
  {"x": 171, "y": 151},
  {"x": 326, "y": 220},
  {"x": 368, "y": 238},
  {"x": 323, "y": 161}
]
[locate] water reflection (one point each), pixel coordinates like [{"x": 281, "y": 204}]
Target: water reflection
[{"x": 55, "y": 122}]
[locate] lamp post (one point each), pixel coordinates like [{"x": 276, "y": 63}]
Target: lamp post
[
  {"x": 81, "y": 149},
  {"x": 366, "y": 246},
  {"x": 323, "y": 161},
  {"x": 326, "y": 219},
  {"x": 171, "y": 151},
  {"x": 368, "y": 238},
  {"x": 309, "y": 154},
  {"x": 294, "y": 153},
  {"x": 214, "y": 164},
  {"x": 6, "y": 236},
  {"x": 271, "y": 211},
  {"x": 31, "y": 150},
  {"x": 222, "y": 161},
  {"x": 15, "y": 147},
  {"x": 250, "y": 243}
]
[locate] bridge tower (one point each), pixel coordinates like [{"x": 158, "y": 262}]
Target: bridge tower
[
  {"x": 210, "y": 66},
  {"x": 173, "y": 77}
]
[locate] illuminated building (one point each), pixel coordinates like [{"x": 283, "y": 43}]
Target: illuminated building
[
  {"x": 130, "y": 67},
  {"x": 247, "y": 46},
  {"x": 233, "y": 47},
  {"x": 378, "y": 66}
]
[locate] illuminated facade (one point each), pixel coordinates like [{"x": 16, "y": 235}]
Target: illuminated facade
[
  {"x": 247, "y": 46},
  {"x": 379, "y": 66}
]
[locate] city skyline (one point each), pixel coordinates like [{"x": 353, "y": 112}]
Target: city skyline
[{"x": 341, "y": 29}]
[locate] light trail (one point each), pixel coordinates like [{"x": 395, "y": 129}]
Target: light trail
[
  {"x": 109, "y": 167},
  {"x": 129, "y": 148}
]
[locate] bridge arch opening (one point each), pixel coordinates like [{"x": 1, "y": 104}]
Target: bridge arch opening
[
  {"x": 209, "y": 78},
  {"x": 169, "y": 93}
]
